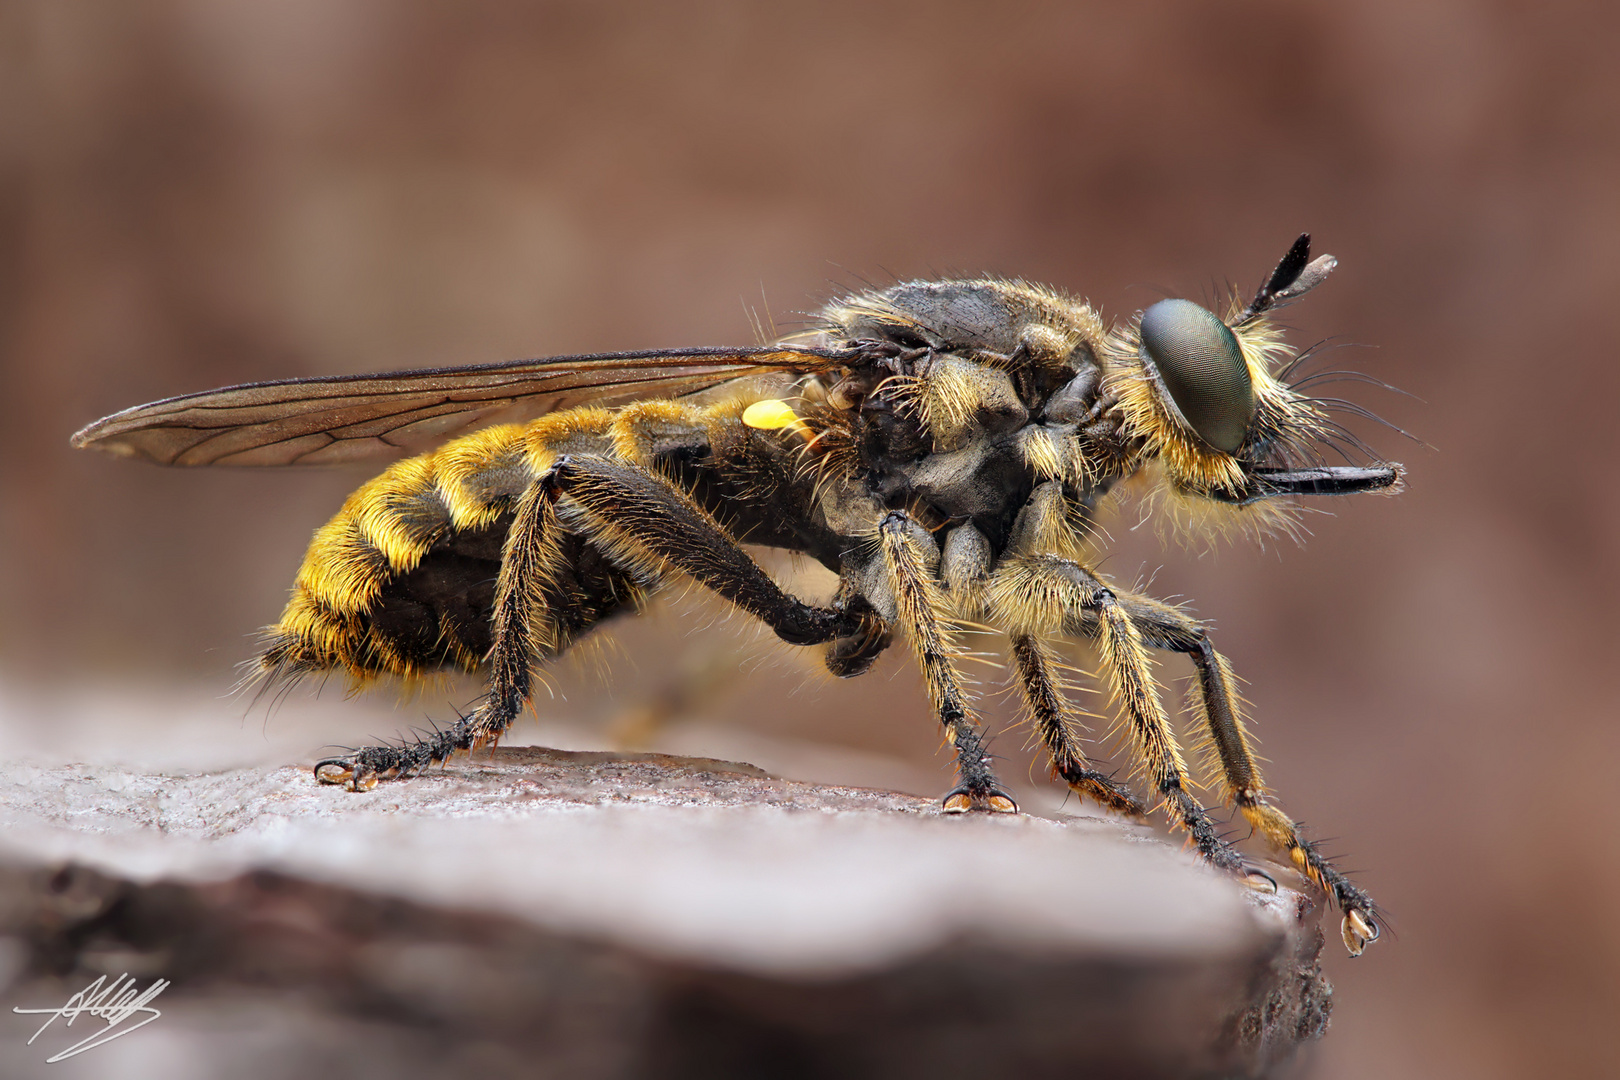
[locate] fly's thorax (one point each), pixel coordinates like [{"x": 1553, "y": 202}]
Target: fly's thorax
[
  {"x": 978, "y": 318},
  {"x": 958, "y": 347},
  {"x": 976, "y": 393},
  {"x": 981, "y": 468}
]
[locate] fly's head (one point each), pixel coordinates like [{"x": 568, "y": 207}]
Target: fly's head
[{"x": 1201, "y": 396}]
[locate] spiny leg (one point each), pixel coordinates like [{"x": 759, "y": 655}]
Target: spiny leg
[
  {"x": 644, "y": 522},
  {"x": 1167, "y": 627},
  {"x": 639, "y": 516},
  {"x": 920, "y": 607},
  {"x": 530, "y": 562},
  {"x": 1055, "y": 726},
  {"x": 1048, "y": 593}
]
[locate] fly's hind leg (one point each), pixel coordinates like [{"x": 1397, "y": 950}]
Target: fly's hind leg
[
  {"x": 640, "y": 521},
  {"x": 640, "y": 518},
  {"x": 532, "y": 563}
]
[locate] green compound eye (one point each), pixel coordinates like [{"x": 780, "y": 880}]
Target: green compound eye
[{"x": 1200, "y": 364}]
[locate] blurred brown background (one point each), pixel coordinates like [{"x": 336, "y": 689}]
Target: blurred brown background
[{"x": 201, "y": 192}]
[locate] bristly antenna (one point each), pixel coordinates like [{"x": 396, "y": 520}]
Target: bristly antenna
[{"x": 1296, "y": 275}]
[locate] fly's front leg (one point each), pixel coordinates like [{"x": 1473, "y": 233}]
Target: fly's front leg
[
  {"x": 921, "y": 610},
  {"x": 531, "y": 562},
  {"x": 1047, "y": 594},
  {"x": 1216, "y": 699}
]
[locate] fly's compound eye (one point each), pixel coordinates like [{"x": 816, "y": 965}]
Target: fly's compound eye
[{"x": 1201, "y": 366}]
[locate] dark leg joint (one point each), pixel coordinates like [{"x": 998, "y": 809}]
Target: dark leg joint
[
  {"x": 1101, "y": 787},
  {"x": 848, "y": 657},
  {"x": 553, "y": 481},
  {"x": 852, "y": 656}
]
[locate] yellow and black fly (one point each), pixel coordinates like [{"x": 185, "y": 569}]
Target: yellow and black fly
[{"x": 943, "y": 446}]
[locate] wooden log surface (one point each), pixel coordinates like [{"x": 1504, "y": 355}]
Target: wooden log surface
[{"x": 548, "y": 913}]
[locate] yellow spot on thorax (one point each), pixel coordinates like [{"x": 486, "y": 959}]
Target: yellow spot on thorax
[
  {"x": 769, "y": 414},
  {"x": 772, "y": 414}
]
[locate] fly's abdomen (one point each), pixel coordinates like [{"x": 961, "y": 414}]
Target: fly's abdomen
[{"x": 402, "y": 580}]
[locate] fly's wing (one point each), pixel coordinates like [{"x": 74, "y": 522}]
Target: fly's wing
[{"x": 339, "y": 419}]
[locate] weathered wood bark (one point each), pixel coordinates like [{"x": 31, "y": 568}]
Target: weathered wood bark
[{"x": 596, "y": 915}]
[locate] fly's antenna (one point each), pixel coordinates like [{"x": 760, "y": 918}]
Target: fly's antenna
[{"x": 1296, "y": 275}]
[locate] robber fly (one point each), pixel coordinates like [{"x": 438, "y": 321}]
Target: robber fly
[{"x": 942, "y": 446}]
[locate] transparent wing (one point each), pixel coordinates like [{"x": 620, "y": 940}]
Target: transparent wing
[{"x": 345, "y": 418}]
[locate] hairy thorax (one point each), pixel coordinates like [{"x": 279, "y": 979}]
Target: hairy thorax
[{"x": 995, "y": 389}]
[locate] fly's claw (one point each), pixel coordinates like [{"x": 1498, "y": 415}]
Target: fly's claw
[
  {"x": 341, "y": 771},
  {"x": 1359, "y": 930},
  {"x": 1260, "y": 881},
  {"x": 960, "y": 800},
  {"x": 1361, "y": 926}
]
